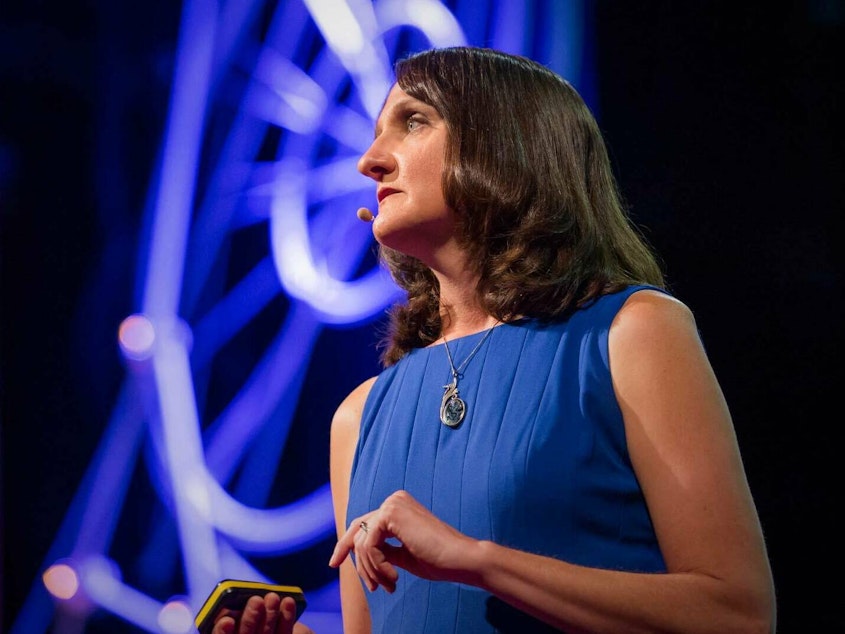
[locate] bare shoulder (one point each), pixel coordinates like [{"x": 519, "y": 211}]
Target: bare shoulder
[
  {"x": 650, "y": 313},
  {"x": 653, "y": 342},
  {"x": 347, "y": 417}
]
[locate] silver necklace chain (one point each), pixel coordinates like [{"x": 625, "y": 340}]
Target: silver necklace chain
[
  {"x": 453, "y": 408},
  {"x": 457, "y": 372}
]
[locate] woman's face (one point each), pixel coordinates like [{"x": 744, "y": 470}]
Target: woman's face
[{"x": 406, "y": 160}]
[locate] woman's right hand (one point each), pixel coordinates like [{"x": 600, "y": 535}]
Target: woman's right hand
[
  {"x": 428, "y": 547},
  {"x": 267, "y": 615}
]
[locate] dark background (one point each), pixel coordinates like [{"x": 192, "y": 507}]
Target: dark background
[{"x": 720, "y": 119}]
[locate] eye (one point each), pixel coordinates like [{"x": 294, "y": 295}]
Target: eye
[{"x": 413, "y": 122}]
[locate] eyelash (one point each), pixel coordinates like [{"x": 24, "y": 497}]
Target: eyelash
[{"x": 413, "y": 119}]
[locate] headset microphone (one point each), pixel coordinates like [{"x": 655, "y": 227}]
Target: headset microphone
[{"x": 365, "y": 214}]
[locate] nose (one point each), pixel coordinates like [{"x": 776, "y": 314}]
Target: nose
[{"x": 376, "y": 162}]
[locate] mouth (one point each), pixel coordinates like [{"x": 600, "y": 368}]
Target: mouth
[{"x": 384, "y": 193}]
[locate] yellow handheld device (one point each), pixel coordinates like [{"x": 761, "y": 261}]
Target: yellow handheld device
[{"x": 232, "y": 594}]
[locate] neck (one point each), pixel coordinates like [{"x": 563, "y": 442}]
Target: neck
[{"x": 461, "y": 313}]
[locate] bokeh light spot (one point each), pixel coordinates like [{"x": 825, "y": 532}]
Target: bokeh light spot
[
  {"x": 175, "y": 617},
  {"x": 61, "y": 581},
  {"x": 136, "y": 336}
]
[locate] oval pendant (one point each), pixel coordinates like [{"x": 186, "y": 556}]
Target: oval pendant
[{"x": 452, "y": 411}]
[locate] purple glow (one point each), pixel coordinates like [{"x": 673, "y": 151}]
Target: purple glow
[
  {"x": 101, "y": 582},
  {"x": 179, "y": 163},
  {"x": 187, "y": 315},
  {"x": 184, "y": 454}
]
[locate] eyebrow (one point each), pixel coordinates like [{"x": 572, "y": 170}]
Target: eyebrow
[{"x": 403, "y": 105}]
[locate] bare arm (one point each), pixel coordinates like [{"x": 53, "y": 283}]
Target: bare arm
[
  {"x": 344, "y": 439},
  {"x": 684, "y": 451},
  {"x": 685, "y": 454}
]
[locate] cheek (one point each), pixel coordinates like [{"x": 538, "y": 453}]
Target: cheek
[{"x": 431, "y": 170}]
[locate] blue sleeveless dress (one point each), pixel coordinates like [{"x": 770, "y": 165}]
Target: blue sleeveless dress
[{"x": 540, "y": 463}]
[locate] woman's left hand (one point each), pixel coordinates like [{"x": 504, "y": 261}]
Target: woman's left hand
[{"x": 428, "y": 547}]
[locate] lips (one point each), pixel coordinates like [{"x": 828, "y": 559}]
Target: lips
[{"x": 384, "y": 192}]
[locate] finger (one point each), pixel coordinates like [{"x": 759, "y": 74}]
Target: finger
[
  {"x": 381, "y": 569},
  {"x": 363, "y": 564},
  {"x": 346, "y": 543},
  {"x": 388, "y": 573},
  {"x": 370, "y": 562},
  {"x": 287, "y": 616},
  {"x": 226, "y": 625},
  {"x": 340, "y": 553},
  {"x": 271, "y": 612},
  {"x": 253, "y": 617},
  {"x": 375, "y": 568}
]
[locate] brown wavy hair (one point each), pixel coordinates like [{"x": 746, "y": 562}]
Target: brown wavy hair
[{"x": 528, "y": 176}]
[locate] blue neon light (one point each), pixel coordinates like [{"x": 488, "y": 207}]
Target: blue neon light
[{"x": 315, "y": 81}]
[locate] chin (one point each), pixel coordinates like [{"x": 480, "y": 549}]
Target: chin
[
  {"x": 416, "y": 238},
  {"x": 405, "y": 241}
]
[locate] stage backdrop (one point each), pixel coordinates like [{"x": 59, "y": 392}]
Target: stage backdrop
[
  {"x": 256, "y": 299},
  {"x": 187, "y": 295}
]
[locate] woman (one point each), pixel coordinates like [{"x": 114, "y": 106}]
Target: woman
[
  {"x": 580, "y": 469},
  {"x": 547, "y": 448}
]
